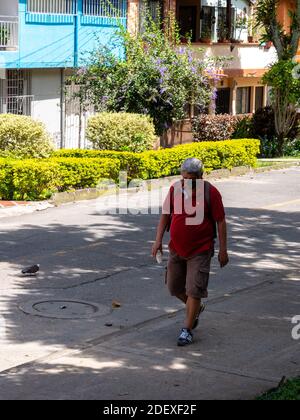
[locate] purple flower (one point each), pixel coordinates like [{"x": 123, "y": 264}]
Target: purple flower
[
  {"x": 82, "y": 71},
  {"x": 214, "y": 94},
  {"x": 162, "y": 70},
  {"x": 190, "y": 57}
]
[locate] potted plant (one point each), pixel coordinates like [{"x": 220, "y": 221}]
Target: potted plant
[
  {"x": 251, "y": 26},
  {"x": 206, "y": 36},
  {"x": 240, "y": 25},
  {"x": 223, "y": 33}
]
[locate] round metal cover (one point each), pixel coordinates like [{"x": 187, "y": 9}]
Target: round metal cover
[{"x": 64, "y": 309}]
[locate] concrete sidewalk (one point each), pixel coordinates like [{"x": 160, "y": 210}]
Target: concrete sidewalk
[{"x": 56, "y": 345}]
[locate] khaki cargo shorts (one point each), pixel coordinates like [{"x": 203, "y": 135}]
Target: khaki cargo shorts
[{"x": 189, "y": 275}]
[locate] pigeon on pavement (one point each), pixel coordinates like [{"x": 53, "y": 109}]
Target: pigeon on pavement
[{"x": 34, "y": 269}]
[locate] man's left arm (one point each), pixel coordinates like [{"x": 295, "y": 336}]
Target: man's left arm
[{"x": 223, "y": 253}]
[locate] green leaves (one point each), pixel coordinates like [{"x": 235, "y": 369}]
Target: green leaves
[
  {"x": 121, "y": 131},
  {"x": 283, "y": 76},
  {"x": 158, "y": 77},
  {"x": 22, "y": 137}
]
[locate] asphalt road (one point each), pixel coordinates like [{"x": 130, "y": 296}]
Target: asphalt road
[{"x": 61, "y": 336}]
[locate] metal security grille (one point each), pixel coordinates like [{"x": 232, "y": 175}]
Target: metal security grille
[
  {"x": 15, "y": 97},
  {"x": 105, "y": 8},
  {"x": 9, "y": 32},
  {"x": 65, "y": 7},
  {"x": 19, "y": 105}
]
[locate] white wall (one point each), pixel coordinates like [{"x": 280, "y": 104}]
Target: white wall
[
  {"x": 46, "y": 88},
  {"x": 9, "y": 7},
  {"x": 244, "y": 56}
]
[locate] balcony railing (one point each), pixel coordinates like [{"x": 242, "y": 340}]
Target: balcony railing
[
  {"x": 105, "y": 8},
  {"x": 19, "y": 105},
  {"x": 9, "y": 32},
  {"x": 65, "y": 7}
]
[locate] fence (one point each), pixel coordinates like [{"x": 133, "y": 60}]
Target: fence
[
  {"x": 105, "y": 8},
  {"x": 76, "y": 119},
  {"x": 9, "y": 31},
  {"x": 102, "y": 8},
  {"x": 19, "y": 105},
  {"x": 66, "y": 7}
]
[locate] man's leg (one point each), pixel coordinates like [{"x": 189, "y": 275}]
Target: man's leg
[
  {"x": 183, "y": 297},
  {"x": 192, "y": 312}
]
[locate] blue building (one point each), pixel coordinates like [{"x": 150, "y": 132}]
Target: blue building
[{"x": 41, "y": 41}]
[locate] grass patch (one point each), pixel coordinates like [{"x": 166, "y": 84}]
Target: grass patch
[{"x": 290, "y": 391}]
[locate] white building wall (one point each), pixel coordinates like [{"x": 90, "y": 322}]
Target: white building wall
[
  {"x": 46, "y": 89},
  {"x": 9, "y": 7},
  {"x": 243, "y": 56}
]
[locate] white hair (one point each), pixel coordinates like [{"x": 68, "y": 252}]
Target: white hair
[{"x": 192, "y": 166}]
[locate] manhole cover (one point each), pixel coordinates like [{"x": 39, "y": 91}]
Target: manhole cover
[{"x": 64, "y": 309}]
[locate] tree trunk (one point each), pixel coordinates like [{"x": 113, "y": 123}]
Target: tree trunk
[{"x": 285, "y": 118}]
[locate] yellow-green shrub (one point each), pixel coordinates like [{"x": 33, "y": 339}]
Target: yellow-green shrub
[
  {"x": 37, "y": 179},
  {"x": 24, "y": 137},
  {"x": 121, "y": 131},
  {"x": 76, "y": 173},
  {"x": 166, "y": 162},
  {"x": 75, "y": 169},
  {"x": 28, "y": 179}
]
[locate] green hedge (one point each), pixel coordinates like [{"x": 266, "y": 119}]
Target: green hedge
[
  {"x": 35, "y": 179},
  {"x": 74, "y": 169},
  {"x": 23, "y": 137},
  {"x": 121, "y": 131},
  {"x": 166, "y": 162}
]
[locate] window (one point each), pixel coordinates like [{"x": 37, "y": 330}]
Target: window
[
  {"x": 222, "y": 23},
  {"x": 208, "y": 20},
  {"x": 259, "y": 97},
  {"x": 105, "y": 8},
  {"x": 15, "y": 93},
  {"x": 214, "y": 23},
  {"x": 243, "y": 100},
  {"x": 223, "y": 101},
  {"x": 65, "y": 7}
]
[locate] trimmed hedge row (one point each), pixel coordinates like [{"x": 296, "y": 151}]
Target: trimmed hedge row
[
  {"x": 166, "y": 162},
  {"x": 36, "y": 179}
]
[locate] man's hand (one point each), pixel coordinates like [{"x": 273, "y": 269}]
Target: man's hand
[
  {"x": 157, "y": 246},
  {"x": 223, "y": 258}
]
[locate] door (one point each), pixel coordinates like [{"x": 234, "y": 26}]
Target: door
[
  {"x": 259, "y": 97},
  {"x": 187, "y": 21},
  {"x": 223, "y": 101}
]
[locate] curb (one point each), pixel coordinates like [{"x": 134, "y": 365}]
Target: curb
[{"x": 11, "y": 208}]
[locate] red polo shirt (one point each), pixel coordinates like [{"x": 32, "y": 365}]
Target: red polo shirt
[{"x": 190, "y": 240}]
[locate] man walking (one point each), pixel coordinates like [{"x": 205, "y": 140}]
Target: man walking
[{"x": 192, "y": 244}]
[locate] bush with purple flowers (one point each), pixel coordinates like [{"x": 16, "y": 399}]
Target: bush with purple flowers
[{"x": 158, "y": 76}]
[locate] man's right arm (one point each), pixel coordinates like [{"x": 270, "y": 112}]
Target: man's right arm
[{"x": 162, "y": 226}]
